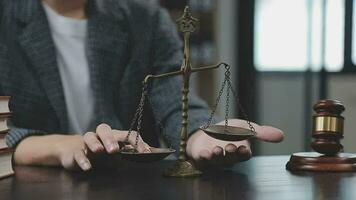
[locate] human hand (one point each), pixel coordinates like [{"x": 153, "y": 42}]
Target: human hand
[
  {"x": 210, "y": 152},
  {"x": 74, "y": 151}
]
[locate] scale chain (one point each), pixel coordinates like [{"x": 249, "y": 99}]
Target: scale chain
[
  {"x": 138, "y": 116},
  {"x": 227, "y": 74},
  {"x": 159, "y": 122},
  {"x": 216, "y": 105},
  {"x": 228, "y": 81},
  {"x": 227, "y": 108},
  {"x": 240, "y": 106}
]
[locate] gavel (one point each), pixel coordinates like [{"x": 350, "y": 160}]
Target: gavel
[
  {"x": 328, "y": 130},
  {"x": 328, "y": 127}
]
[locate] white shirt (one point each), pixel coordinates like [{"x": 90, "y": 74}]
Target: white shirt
[{"x": 69, "y": 37}]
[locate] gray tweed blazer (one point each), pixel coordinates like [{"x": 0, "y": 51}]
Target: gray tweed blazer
[{"x": 127, "y": 39}]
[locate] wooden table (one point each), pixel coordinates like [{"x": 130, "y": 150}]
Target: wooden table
[{"x": 259, "y": 178}]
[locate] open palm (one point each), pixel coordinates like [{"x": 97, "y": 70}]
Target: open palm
[{"x": 210, "y": 152}]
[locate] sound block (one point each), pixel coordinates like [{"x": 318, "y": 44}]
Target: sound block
[{"x": 312, "y": 161}]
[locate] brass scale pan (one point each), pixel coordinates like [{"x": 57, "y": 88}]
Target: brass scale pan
[{"x": 221, "y": 132}]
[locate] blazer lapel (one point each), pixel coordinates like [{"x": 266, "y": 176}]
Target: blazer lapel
[
  {"x": 107, "y": 51},
  {"x": 37, "y": 43},
  {"x": 108, "y": 54}
]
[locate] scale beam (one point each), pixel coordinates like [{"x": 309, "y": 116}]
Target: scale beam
[
  {"x": 176, "y": 73},
  {"x": 198, "y": 69},
  {"x": 166, "y": 75}
]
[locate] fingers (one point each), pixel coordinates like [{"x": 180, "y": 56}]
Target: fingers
[
  {"x": 231, "y": 155},
  {"x": 218, "y": 156},
  {"x": 210, "y": 155},
  {"x": 234, "y": 154},
  {"x": 227, "y": 157},
  {"x": 106, "y": 136},
  {"x": 264, "y": 133},
  {"x": 205, "y": 155},
  {"x": 108, "y": 139},
  {"x": 82, "y": 161},
  {"x": 243, "y": 153},
  {"x": 142, "y": 147},
  {"x": 218, "y": 151},
  {"x": 204, "y": 158},
  {"x": 269, "y": 134},
  {"x": 93, "y": 143}
]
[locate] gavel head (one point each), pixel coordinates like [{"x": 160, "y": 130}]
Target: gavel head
[{"x": 328, "y": 127}]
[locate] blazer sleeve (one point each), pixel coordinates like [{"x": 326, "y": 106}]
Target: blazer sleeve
[
  {"x": 166, "y": 94},
  {"x": 15, "y": 134}
]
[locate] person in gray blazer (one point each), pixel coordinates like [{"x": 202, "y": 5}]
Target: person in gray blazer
[{"x": 74, "y": 71}]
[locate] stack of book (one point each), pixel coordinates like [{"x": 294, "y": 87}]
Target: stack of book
[{"x": 5, "y": 151}]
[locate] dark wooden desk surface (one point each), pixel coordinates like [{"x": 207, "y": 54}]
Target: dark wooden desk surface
[{"x": 259, "y": 178}]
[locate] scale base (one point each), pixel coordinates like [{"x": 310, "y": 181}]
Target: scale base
[
  {"x": 312, "y": 161},
  {"x": 182, "y": 169}
]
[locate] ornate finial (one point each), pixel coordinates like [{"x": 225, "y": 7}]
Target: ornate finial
[{"x": 187, "y": 23}]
